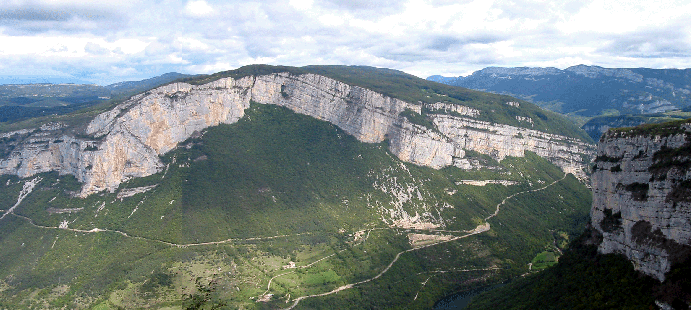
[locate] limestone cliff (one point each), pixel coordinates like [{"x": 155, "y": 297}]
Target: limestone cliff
[
  {"x": 126, "y": 141},
  {"x": 642, "y": 195}
]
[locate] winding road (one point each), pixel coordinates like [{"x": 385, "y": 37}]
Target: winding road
[
  {"x": 28, "y": 187},
  {"x": 478, "y": 230}
]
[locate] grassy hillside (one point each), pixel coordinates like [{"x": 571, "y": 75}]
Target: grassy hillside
[{"x": 240, "y": 202}]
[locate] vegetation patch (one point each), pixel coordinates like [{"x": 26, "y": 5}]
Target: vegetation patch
[
  {"x": 594, "y": 125},
  {"x": 676, "y": 290},
  {"x": 662, "y": 129},
  {"x": 583, "y": 279},
  {"x": 667, "y": 159},
  {"x": 252, "y": 70},
  {"x": 681, "y": 192},
  {"x": 609, "y": 159},
  {"x": 611, "y": 222},
  {"x": 639, "y": 191},
  {"x": 284, "y": 94},
  {"x": 642, "y": 233},
  {"x": 322, "y": 278},
  {"x": 418, "y": 119},
  {"x": 544, "y": 260}
]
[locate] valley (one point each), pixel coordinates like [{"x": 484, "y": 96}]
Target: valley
[
  {"x": 297, "y": 213},
  {"x": 290, "y": 155},
  {"x": 278, "y": 272}
]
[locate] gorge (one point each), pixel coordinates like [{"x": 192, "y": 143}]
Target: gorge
[{"x": 126, "y": 141}]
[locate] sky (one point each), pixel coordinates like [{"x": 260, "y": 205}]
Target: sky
[{"x": 104, "y": 42}]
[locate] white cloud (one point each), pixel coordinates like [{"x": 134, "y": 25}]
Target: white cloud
[
  {"x": 606, "y": 16},
  {"x": 302, "y": 4},
  {"x": 331, "y": 20},
  {"x": 193, "y": 44},
  {"x": 128, "y": 39},
  {"x": 95, "y": 48},
  {"x": 198, "y": 8}
]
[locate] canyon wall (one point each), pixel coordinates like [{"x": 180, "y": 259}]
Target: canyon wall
[
  {"x": 642, "y": 195},
  {"x": 126, "y": 141}
]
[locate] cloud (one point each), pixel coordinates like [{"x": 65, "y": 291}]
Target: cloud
[
  {"x": 128, "y": 39},
  {"x": 366, "y": 9},
  {"x": 301, "y": 4},
  {"x": 671, "y": 40},
  {"x": 27, "y": 17},
  {"x": 59, "y": 48},
  {"x": 448, "y": 42},
  {"x": 95, "y": 48},
  {"x": 34, "y": 14},
  {"x": 198, "y": 8}
]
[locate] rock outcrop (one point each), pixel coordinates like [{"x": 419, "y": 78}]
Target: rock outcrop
[
  {"x": 126, "y": 141},
  {"x": 642, "y": 196}
]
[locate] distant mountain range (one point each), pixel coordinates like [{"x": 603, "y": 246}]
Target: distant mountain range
[
  {"x": 39, "y": 79},
  {"x": 139, "y": 86},
  {"x": 584, "y": 92},
  {"x": 20, "y": 101}
]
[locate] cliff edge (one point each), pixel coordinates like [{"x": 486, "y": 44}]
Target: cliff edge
[
  {"x": 642, "y": 195},
  {"x": 126, "y": 142}
]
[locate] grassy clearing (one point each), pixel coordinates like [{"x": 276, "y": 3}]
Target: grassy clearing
[{"x": 544, "y": 259}]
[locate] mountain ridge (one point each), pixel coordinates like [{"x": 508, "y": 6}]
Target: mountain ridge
[
  {"x": 626, "y": 90},
  {"x": 282, "y": 188},
  {"x": 241, "y": 198},
  {"x": 150, "y": 124}
]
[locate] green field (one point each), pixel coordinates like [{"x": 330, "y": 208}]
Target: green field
[{"x": 543, "y": 260}]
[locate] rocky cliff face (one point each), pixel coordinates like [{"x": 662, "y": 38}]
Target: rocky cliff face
[
  {"x": 642, "y": 196},
  {"x": 126, "y": 142}
]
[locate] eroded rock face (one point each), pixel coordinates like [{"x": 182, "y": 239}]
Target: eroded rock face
[
  {"x": 126, "y": 141},
  {"x": 642, "y": 198},
  {"x": 66, "y": 154},
  {"x": 500, "y": 141}
]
